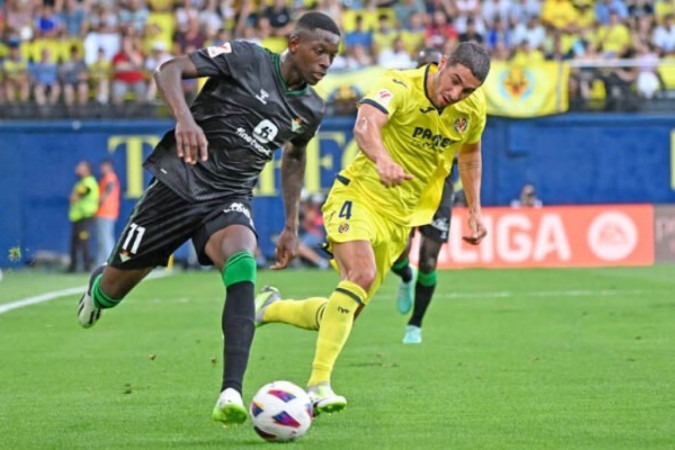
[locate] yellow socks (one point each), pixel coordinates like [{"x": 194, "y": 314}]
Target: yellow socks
[
  {"x": 301, "y": 313},
  {"x": 336, "y": 325}
]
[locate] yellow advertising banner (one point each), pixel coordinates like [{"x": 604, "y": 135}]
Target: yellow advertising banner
[
  {"x": 527, "y": 91},
  {"x": 511, "y": 90}
]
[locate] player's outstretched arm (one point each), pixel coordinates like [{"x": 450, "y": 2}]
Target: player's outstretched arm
[
  {"x": 470, "y": 164},
  {"x": 368, "y": 133},
  {"x": 191, "y": 142},
  {"x": 293, "y": 162}
]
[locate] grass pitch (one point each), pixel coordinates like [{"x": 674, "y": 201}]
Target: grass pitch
[{"x": 511, "y": 359}]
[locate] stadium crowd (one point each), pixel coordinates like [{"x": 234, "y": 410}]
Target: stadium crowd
[{"x": 93, "y": 57}]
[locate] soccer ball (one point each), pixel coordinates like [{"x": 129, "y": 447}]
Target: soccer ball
[{"x": 281, "y": 411}]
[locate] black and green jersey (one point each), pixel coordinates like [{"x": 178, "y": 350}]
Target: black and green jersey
[{"x": 246, "y": 112}]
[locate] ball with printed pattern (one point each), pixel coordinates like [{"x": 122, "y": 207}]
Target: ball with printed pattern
[{"x": 281, "y": 411}]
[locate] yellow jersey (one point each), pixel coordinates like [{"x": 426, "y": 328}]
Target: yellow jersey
[{"x": 421, "y": 139}]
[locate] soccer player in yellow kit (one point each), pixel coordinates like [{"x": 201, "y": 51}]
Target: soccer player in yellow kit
[{"x": 408, "y": 128}]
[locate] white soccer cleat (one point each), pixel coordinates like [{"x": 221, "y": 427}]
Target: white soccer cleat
[
  {"x": 229, "y": 409},
  {"x": 87, "y": 313},
  {"x": 413, "y": 335},
  {"x": 267, "y": 296},
  {"x": 406, "y": 293},
  {"x": 324, "y": 400}
]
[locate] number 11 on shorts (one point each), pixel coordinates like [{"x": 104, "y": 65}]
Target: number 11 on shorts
[{"x": 135, "y": 235}]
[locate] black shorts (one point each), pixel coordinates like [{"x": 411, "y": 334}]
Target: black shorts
[
  {"x": 439, "y": 228},
  {"x": 162, "y": 221}
]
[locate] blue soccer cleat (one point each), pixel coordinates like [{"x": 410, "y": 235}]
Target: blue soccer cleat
[
  {"x": 413, "y": 335},
  {"x": 406, "y": 293}
]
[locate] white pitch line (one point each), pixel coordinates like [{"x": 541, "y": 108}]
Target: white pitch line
[
  {"x": 565, "y": 293},
  {"x": 22, "y": 303}
]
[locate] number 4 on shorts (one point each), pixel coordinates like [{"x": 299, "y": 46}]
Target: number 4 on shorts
[{"x": 346, "y": 210}]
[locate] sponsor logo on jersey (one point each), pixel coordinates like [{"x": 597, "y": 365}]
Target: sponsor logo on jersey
[
  {"x": 263, "y": 96},
  {"x": 428, "y": 138},
  {"x": 263, "y": 133},
  {"x": 219, "y": 49},
  {"x": 399, "y": 82},
  {"x": 384, "y": 96},
  {"x": 427, "y": 109},
  {"x": 461, "y": 124}
]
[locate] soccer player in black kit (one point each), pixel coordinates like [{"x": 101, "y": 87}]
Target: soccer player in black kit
[{"x": 204, "y": 172}]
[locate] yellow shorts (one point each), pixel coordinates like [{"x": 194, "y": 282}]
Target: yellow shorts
[{"x": 347, "y": 217}]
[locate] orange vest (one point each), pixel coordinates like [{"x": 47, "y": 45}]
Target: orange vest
[{"x": 109, "y": 207}]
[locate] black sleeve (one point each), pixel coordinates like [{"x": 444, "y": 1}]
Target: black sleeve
[{"x": 229, "y": 59}]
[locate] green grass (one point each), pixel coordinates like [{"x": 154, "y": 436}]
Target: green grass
[{"x": 511, "y": 359}]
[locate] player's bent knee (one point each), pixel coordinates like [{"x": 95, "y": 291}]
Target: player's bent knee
[
  {"x": 363, "y": 277},
  {"x": 239, "y": 267}
]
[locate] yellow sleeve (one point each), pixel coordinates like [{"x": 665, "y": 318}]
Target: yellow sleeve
[
  {"x": 388, "y": 94},
  {"x": 479, "y": 119}
]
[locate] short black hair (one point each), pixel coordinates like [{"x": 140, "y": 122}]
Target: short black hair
[
  {"x": 315, "y": 20},
  {"x": 474, "y": 57}
]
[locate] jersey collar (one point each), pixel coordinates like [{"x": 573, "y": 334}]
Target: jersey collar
[
  {"x": 277, "y": 72},
  {"x": 427, "y": 73}
]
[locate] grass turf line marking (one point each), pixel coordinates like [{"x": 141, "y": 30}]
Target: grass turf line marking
[{"x": 23, "y": 302}]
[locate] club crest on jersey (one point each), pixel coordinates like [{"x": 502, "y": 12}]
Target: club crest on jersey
[
  {"x": 343, "y": 228},
  {"x": 296, "y": 125},
  {"x": 384, "y": 96},
  {"x": 461, "y": 124},
  {"x": 216, "y": 50}
]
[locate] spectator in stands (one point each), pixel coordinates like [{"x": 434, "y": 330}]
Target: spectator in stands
[
  {"x": 586, "y": 76},
  {"x": 360, "y": 35},
  {"x": 75, "y": 79},
  {"x": 439, "y": 31},
  {"x": 648, "y": 82},
  {"x": 396, "y": 58},
  {"x": 73, "y": 17},
  {"x": 559, "y": 14},
  {"x": 19, "y": 19},
  {"x": 16, "y": 76},
  {"x": 471, "y": 33},
  {"x": 664, "y": 36},
  {"x": 404, "y": 10},
  {"x": 498, "y": 33},
  {"x": 383, "y": 37},
  {"x": 279, "y": 17},
  {"x": 311, "y": 233},
  {"x": 103, "y": 34},
  {"x": 526, "y": 55},
  {"x": 210, "y": 18},
  {"x": 45, "y": 75},
  {"x": 47, "y": 23},
  {"x": 99, "y": 77},
  {"x": 193, "y": 36},
  {"x": 532, "y": 31},
  {"x": 108, "y": 211},
  {"x": 640, "y": 8},
  {"x": 133, "y": 14},
  {"x": 528, "y": 198},
  {"x": 496, "y": 10},
  {"x": 604, "y": 9},
  {"x": 521, "y": 11},
  {"x": 614, "y": 37},
  {"x": 83, "y": 207},
  {"x": 128, "y": 75}
]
